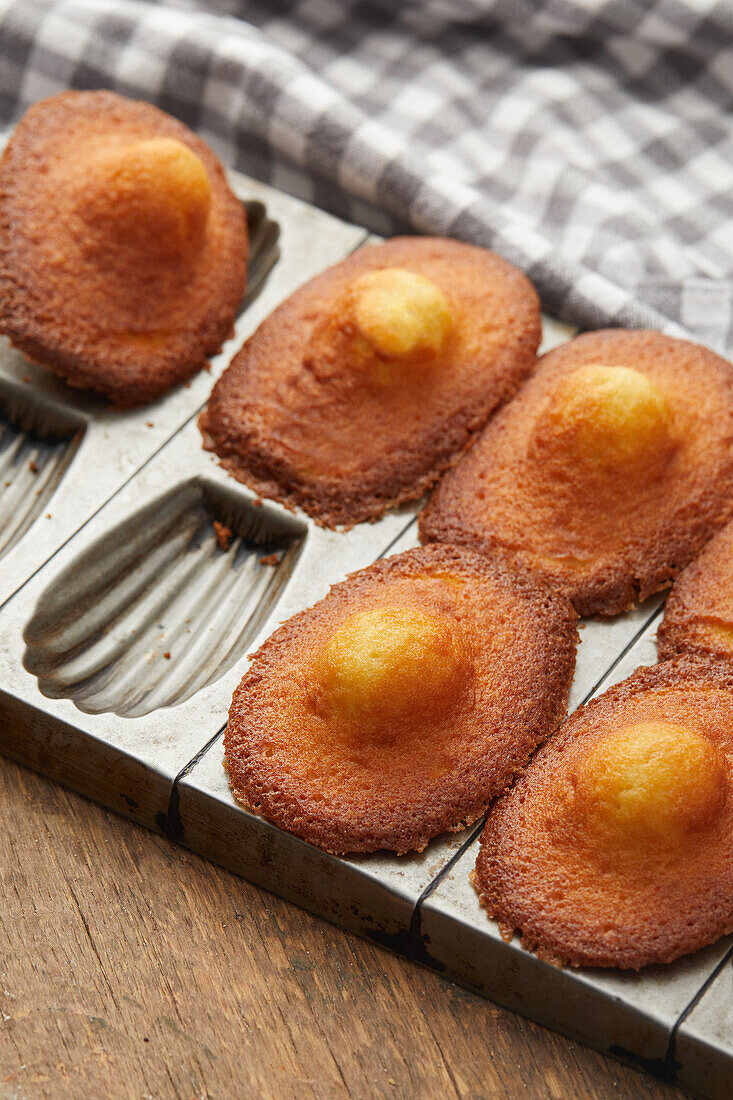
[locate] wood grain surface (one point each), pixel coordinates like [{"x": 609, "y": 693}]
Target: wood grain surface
[{"x": 132, "y": 968}]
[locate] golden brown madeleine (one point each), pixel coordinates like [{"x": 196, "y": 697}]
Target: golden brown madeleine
[
  {"x": 122, "y": 249},
  {"x": 615, "y": 848},
  {"x": 402, "y": 703},
  {"x": 606, "y": 474},
  {"x": 698, "y": 615},
  {"x": 365, "y": 384}
]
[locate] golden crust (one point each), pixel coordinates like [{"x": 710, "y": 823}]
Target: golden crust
[
  {"x": 101, "y": 321},
  {"x": 304, "y": 415},
  {"x": 538, "y": 873},
  {"x": 698, "y": 614},
  {"x": 607, "y": 543},
  {"x": 396, "y": 788}
]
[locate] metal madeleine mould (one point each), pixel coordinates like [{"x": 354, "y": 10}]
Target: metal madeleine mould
[
  {"x": 89, "y": 695},
  {"x": 163, "y": 604}
]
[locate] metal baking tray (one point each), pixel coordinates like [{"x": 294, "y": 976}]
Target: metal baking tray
[{"x": 118, "y": 659}]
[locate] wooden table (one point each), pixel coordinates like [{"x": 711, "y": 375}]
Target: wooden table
[{"x": 132, "y": 968}]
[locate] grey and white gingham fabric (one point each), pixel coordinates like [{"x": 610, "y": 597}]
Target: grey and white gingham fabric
[{"x": 589, "y": 142}]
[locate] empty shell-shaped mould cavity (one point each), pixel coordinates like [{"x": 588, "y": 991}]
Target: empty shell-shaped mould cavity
[
  {"x": 164, "y": 603},
  {"x": 264, "y": 249},
  {"x": 38, "y": 440}
]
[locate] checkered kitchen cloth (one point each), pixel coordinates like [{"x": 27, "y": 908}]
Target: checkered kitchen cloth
[{"x": 588, "y": 141}]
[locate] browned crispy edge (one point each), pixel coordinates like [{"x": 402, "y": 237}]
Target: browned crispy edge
[
  {"x": 488, "y": 880},
  {"x": 678, "y": 631},
  {"x": 558, "y": 641}
]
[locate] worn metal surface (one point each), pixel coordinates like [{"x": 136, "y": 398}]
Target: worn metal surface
[
  {"x": 64, "y": 453},
  {"x": 702, "y": 1049},
  {"x": 373, "y": 895},
  {"x": 627, "y": 1014}
]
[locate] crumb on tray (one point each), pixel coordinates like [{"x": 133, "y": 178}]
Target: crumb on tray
[{"x": 223, "y": 534}]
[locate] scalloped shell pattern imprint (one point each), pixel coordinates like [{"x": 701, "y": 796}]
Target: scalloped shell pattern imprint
[
  {"x": 161, "y": 605},
  {"x": 37, "y": 445}
]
